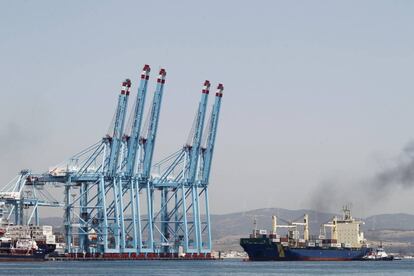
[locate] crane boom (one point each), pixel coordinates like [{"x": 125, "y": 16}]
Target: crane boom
[
  {"x": 208, "y": 151},
  {"x": 133, "y": 142},
  {"x": 149, "y": 141},
  {"x": 198, "y": 133},
  {"x": 118, "y": 128}
]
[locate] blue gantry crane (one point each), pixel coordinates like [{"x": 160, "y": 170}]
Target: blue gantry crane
[
  {"x": 116, "y": 201},
  {"x": 20, "y": 202}
]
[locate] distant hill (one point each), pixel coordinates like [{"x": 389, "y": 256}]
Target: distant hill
[
  {"x": 397, "y": 230},
  {"x": 242, "y": 223},
  {"x": 390, "y": 221},
  {"x": 56, "y": 222}
]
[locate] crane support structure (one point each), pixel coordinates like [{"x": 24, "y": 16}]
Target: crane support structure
[{"x": 116, "y": 200}]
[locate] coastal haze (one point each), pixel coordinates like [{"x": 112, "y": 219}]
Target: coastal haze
[{"x": 317, "y": 106}]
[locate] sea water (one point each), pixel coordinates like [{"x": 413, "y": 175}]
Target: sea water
[{"x": 224, "y": 267}]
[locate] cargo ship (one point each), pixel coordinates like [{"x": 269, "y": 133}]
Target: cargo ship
[
  {"x": 42, "y": 235},
  {"x": 24, "y": 242},
  {"x": 345, "y": 242},
  {"x": 22, "y": 250}
]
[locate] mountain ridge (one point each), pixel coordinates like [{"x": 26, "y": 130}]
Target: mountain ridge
[{"x": 396, "y": 229}]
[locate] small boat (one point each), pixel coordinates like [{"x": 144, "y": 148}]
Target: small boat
[{"x": 378, "y": 254}]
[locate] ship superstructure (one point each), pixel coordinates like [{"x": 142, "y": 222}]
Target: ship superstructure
[
  {"x": 42, "y": 235},
  {"x": 346, "y": 231}
]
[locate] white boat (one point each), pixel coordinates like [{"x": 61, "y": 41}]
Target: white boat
[{"x": 378, "y": 254}]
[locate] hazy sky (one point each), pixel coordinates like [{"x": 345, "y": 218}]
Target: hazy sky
[{"x": 315, "y": 91}]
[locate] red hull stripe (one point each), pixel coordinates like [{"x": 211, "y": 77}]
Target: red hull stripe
[
  {"x": 326, "y": 259},
  {"x": 135, "y": 256}
]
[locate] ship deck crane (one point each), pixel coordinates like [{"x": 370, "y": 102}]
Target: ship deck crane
[
  {"x": 333, "y": 227},
  {"x": 294, "y": 225}
]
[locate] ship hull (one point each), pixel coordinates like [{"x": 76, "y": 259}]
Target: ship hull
[
  {"x": 22, "y": 258},
  {"x": 263, "y": 249}
]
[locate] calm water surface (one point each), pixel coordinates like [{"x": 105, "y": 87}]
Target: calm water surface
[{"x": 226, "y": 267}]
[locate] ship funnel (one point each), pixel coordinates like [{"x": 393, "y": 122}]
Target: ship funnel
[
  {"x": 306, "y": 227},
  {"x": 334, "y": 230},
  {"x": 274, "y": 224}
]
